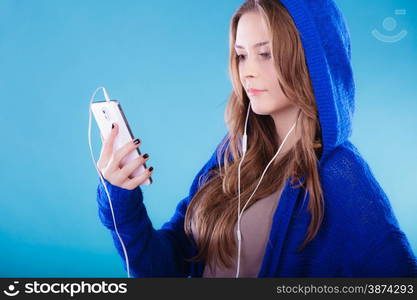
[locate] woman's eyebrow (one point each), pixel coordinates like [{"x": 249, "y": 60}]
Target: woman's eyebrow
[{"x": 254, "y": 46}]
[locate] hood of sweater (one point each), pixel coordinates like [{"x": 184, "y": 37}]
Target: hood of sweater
[{"x": 326, "y": 42}]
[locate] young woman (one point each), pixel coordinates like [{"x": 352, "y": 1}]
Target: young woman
[{"x": 291, "y": 198}]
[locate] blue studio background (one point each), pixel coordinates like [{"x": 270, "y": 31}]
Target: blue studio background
[{"x": 166, "y": 61}]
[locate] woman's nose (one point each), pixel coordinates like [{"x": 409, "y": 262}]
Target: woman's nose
[{"x": 249, "y": 69}]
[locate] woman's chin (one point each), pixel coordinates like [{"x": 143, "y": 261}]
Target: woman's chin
[{"x": 260, "y": 109}]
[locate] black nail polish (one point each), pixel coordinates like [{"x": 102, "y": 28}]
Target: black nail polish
[
  {"x": 112, "y": 126},
  {"x": 146, "y": 155},
  {"x": 137, "y": 141},
  {"x": 150, "y": 169}
]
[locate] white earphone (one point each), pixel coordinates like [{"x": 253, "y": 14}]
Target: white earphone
[
  {"x": 244, "y": 148},
  {"x": 106, "y": 96}
]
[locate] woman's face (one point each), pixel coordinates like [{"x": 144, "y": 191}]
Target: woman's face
[{"x": 256, "y": 65}]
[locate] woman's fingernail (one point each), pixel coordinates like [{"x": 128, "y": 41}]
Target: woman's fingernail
[
  {"x": 112, "y": 126},
  {"x": 146, "y": 155},
  {"x": 150, "y": 169},
  {"x": 136, "y": 141}
]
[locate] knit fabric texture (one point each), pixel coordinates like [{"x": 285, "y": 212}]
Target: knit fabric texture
[{"x": 360, "y": 235}]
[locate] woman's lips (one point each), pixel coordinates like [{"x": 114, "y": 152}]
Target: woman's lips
[{"x": 255, "y": 91}]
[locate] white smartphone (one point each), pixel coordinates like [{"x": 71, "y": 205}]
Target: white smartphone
[{"x": 108, "y": 112}]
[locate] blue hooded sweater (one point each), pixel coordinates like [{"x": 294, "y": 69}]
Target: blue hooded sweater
[{"x": 360, "y": 235}]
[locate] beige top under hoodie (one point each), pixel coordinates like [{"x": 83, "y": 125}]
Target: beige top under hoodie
[{"x": 255, "y": 226}]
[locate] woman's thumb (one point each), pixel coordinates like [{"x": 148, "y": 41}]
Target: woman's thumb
[
  {"x": 108, "y": 143},
  {"x": 113, "y": 134}
]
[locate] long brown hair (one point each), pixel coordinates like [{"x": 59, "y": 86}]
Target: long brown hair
[{"x": 213, "y": 209}]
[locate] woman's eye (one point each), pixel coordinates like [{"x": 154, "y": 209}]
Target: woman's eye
[{"x": 265, "y": 55}]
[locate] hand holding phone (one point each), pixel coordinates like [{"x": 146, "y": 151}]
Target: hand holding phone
[
  {"x": 110, "y": 166},
  {"x": 107, "y": 113}
]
